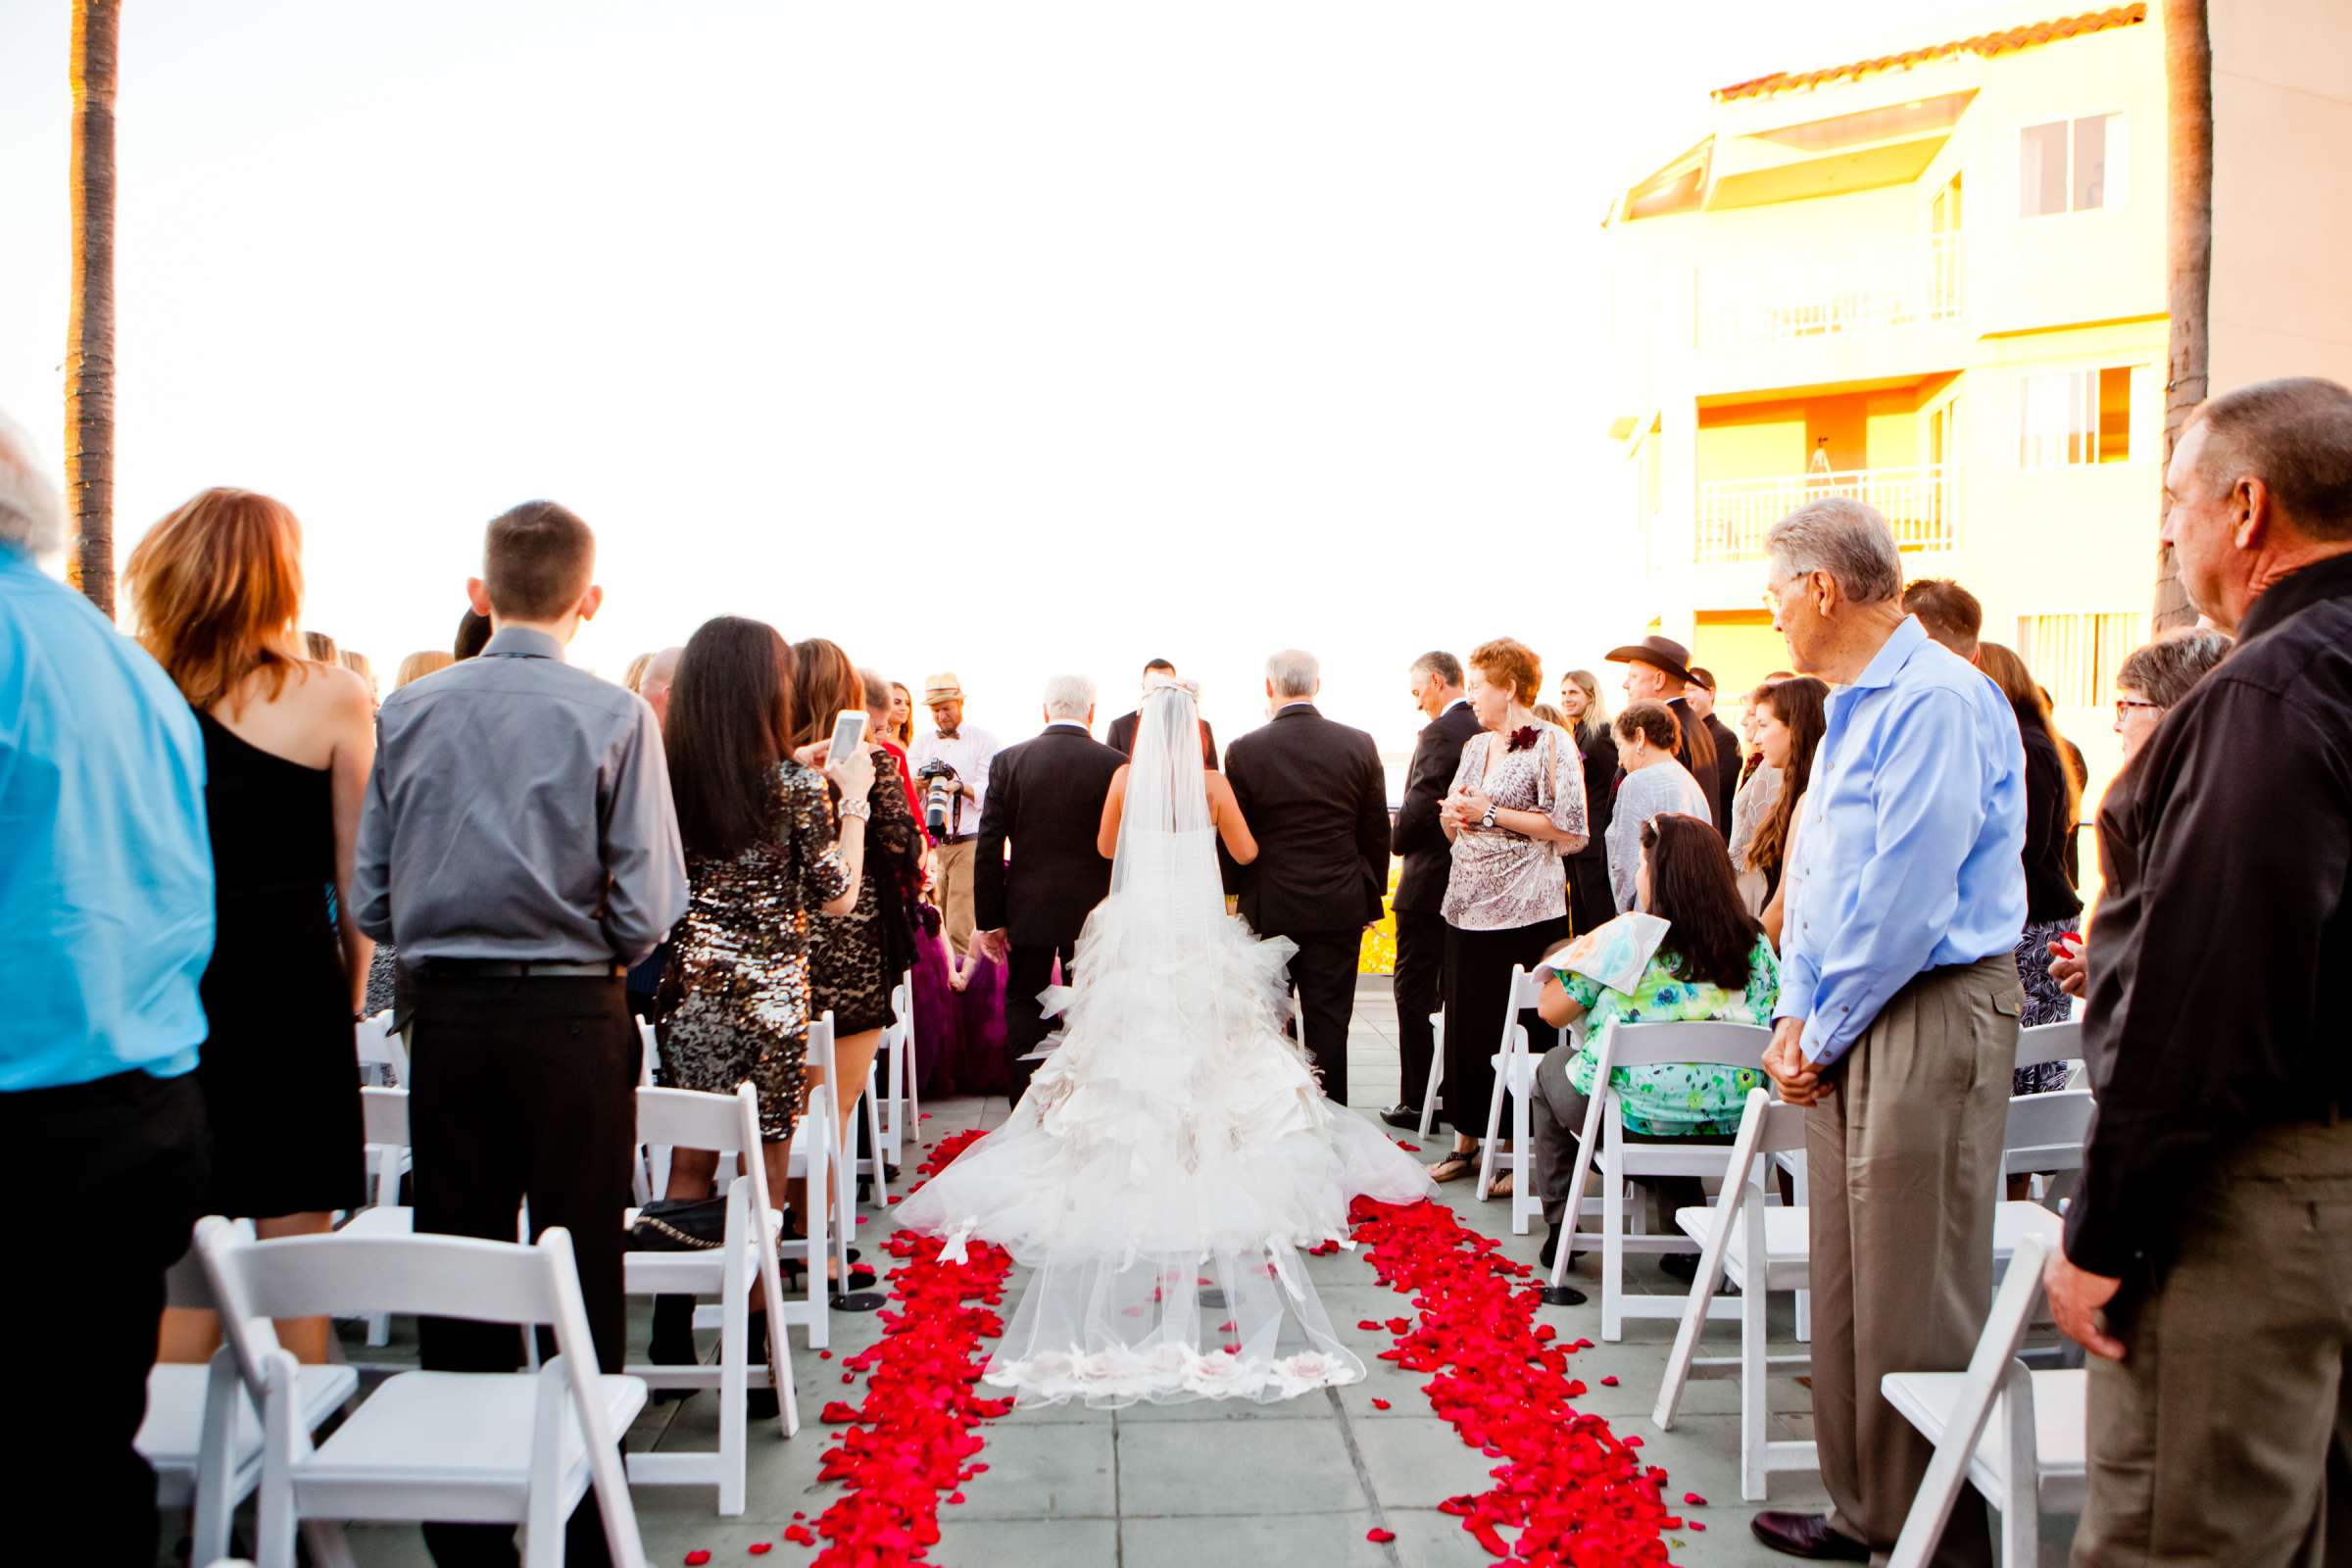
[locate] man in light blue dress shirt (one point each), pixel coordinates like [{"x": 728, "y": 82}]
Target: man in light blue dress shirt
[
  {"x": 1898, "y": 1013},
  {"x": 106, "y": 924}
]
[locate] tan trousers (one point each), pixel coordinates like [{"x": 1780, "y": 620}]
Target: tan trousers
[
  {"x": 2224, "y": 1434},
  {"x": 956, "y": 863},
  {"x": 1904, "y": 1159}
]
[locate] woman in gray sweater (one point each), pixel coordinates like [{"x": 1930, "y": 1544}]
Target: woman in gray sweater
[{"x": 1647, "y": 737}]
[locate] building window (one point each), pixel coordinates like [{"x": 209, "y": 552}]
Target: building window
[
  {"x": 2071, "y": 166},
  {"x": 2075, "y": 655},
  {"x": 2070, "y": 417}
]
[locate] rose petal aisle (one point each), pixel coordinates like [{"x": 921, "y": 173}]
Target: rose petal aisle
[
  {"x": 1573, "y": 1490},
  {"x": 913, "y": 1437}
]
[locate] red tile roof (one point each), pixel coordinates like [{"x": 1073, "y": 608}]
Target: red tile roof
[{"x": 1987, "y": 43}]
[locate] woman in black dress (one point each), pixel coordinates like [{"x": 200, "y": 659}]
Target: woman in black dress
[
  {"x": 1591, "y": 903},
  {"x": 217, "y": 590}
]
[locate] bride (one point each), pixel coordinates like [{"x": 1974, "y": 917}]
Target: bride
[{"x": 1175, "y": 1151}]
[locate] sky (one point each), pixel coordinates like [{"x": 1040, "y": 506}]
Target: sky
[{"x": 1004, "y": 338}]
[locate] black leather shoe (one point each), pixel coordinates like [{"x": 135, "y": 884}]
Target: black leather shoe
[
  {"x": 1806, "y": 1534},
  {"x": 1404, "y": 1117}
]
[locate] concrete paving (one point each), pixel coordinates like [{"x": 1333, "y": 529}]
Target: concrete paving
[{"x": 1297, "y": 1483}]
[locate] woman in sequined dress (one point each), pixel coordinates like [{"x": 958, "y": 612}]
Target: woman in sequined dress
[
  {"x": 763, "y": 861},
  {"x": 855, "y": 958}
]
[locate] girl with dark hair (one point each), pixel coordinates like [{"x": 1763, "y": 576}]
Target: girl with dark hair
[
  {"x": 856, "y": 955},
  {"x": 1790, "y": 720},
  {"x": 762, "y": 859},
  {"x": 2053, "y": 802},
  {"x": 1714, "y": 966}
]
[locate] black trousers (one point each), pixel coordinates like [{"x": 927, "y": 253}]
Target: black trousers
[
  {"x": 1028, "y": 970},
  {"x": 1323, "y": 975},
  {"x": 1477, "y": 988},
  {"x": 1592, "y": 902},
  {"x": 524, "y": 1088},
  {"x": 1420, "y": 991},
  {"x": 123, "y": 1164}
]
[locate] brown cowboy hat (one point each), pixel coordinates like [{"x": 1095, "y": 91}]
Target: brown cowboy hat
[{"x": 1664, "y": 652}]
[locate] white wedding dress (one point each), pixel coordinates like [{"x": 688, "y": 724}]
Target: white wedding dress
[{"x": 1175, "y": 1151}]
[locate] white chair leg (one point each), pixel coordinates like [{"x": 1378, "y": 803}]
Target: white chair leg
[
  {"x": 734, "y": 1356},
  {"x": 1523, "y": 1161},
  {"x": 873, "y": 1134},
  {"x": 1437, "y": 1072},
  {"x": 2021, "y": 1509},
  {"x": 323, "y": 1540},
  {"x": 1804, "y": 1298},
  {"x": 1486, "y": 1149},
  {"x": 818, "y": 1222},
  {"x": 1612, "y": 1250},
  {"x": 1754, "y": 1412}
]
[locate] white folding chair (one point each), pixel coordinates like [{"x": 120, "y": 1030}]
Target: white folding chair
[
  {"x": 2018, "y": 1436},
  {"x": 817, "y": 1160},
  {"x": 649, "y": 1167},
  {"x": 202, "y": 1434},
  {"x": 1602, "y": 1143},
  {"x": 477, "y": 1447},
  {"x": 2046, "y": 1132},
  {"x": 745, "y": 1261},
  {"x": 1437, "y": 1071},
  {"x": 384, "y": 1125},
  {"x": 1756, "y": 1246},
  {"x": 1515, "y": 1071},
  {"x": 382, "y": 1050},
  {"x": 896, "y": 1062}
]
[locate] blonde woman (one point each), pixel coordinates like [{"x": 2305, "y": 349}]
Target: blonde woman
[
  {"x": 424, "y": 661},
  {"x": 1591, "y": 903},
  {"x": 216, "y": 589}
]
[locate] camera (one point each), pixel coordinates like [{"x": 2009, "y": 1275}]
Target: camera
[{"x": 943, "y": 799}]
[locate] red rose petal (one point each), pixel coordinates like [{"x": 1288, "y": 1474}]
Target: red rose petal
[
  {"x": 760, "y": 1548},
  {"x": 1380, "y": 1404},
  {"x": 1610, "y": 1382},
  {"x": 1367, "y": 1324},
  {"x": 799, "y": 1535},
  {"x": 697, "y": 1557},
  {"x": 1410, "y": 1148},
  {"x": 1693, "y": 1524},
  {"x": 1694, "y": 1499},
  {"x": 1382, "y": 1537}
]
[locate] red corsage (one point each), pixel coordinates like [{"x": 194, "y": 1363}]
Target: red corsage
[{"x": 1523, "y": 738}]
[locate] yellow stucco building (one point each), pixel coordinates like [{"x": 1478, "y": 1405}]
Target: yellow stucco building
[{"x": 1935, "y": 280}]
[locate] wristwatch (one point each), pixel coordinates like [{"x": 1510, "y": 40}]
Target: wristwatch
[{"x": 1488, "y": 821}]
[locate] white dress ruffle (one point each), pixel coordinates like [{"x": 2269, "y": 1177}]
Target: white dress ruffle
[{"x": 1171, "y": 1156}]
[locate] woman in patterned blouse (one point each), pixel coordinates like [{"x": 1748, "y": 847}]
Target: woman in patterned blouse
[
  {"x": 1714, "y": 966},
  {"x": 1517, "y": 805}
]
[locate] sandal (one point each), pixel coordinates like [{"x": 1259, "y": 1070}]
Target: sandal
[
  {"x": 1501, "y": 1186},
  {"x": 1455, "y": 1166}
]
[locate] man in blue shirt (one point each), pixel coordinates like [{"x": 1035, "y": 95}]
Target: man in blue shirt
[
  {"x": 1898, "y": 1013},
  {"x": 106, "y": 924}
]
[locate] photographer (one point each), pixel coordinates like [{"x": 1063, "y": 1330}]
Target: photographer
[{"x": 951, "y": 769}]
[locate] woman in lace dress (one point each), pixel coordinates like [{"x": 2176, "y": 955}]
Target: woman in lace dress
[{"x": 1517, "y": 807}]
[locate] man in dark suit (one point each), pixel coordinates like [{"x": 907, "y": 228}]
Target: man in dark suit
[
  {"x": 1316, "y": 799},
  {"x": 1700, "y": 696},
  {"x": 1122, "y": 729},
  {"x": 1046, "y": 797},
  {"x": 1660, "y": 672},
  {"x": 1437, "y": 686}
]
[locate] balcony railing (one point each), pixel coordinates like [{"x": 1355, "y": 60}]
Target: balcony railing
[
  {"x": 1782, "y": 299},
  {"x": 1920, "y": 504}
]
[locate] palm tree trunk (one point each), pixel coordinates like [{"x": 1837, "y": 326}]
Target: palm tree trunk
[
  {"x": 2188, "y": 103},
  {"x": 90, "y": 322}
]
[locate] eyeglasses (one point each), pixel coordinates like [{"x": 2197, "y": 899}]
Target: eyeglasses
[{"x": 2125, "y": 704}]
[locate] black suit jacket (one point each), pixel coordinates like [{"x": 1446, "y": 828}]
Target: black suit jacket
[
  {"x": 1428, "y": 855},
  {"x": 1122, "y": 739},
  {"x": 1046, "y": 796},
  {"x": 1601, "y": 793},
  {"x": 1727, "y": 772},
  {"x": 1315, "y": 797}
]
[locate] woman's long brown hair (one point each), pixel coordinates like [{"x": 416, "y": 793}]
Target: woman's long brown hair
[
  {"x": 1690, "y": 889},
  {"x": 216, "y": 591},
  {"x": 825, "y": 681},
  {"x": 1798, "y": 704}
]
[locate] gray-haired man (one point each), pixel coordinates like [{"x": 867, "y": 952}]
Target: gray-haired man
[
  {"x": 1898, "y": 1013},
  {"x": 1315, "y": 794}
]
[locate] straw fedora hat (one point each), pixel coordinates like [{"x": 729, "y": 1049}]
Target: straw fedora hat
[{"x": 942, "y": 687}]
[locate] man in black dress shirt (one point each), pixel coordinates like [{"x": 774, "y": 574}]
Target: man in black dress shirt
[
  {"x": 1317, "y": 798},
  {"x": 1699, "y": 698},
  {"x": 1045, "y": 797},
  {"x": 1436, "y": 680},
  {"x": 519, "y": 847},
  {"x": 1121, "y": 738},
  {"x": 2206, "y": 1254}
]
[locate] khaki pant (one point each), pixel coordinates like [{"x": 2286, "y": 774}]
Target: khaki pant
[
  {"x": 956, "y": 861},
  {"x": 1904, "y": 1157},
  {"x": 2224, "y": 1434}
]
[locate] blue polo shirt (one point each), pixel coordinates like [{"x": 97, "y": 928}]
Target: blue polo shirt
[{"x": 106, "y": 868}]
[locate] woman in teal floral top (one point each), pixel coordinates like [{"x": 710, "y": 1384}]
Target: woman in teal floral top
[{"x": 1715, "y": 965}]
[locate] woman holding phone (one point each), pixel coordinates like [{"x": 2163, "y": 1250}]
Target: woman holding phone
[{"x": 859, "y": 956}]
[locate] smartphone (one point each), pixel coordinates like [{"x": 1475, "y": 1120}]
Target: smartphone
[{"x": 849, "y": 732}]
